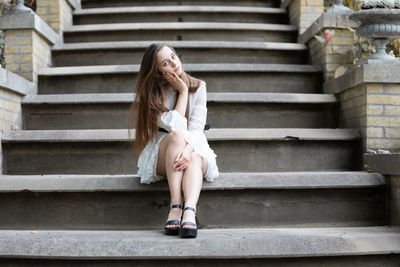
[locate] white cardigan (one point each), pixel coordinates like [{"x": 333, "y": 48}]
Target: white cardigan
[{"x": 192, "y": 131}]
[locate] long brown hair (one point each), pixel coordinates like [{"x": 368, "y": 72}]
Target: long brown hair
[{"x": 150, "y": 98}]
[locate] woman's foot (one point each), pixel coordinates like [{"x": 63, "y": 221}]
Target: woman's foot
[
  {"x": 174, "y": 218},
  {"x": 188, "y": 225}
]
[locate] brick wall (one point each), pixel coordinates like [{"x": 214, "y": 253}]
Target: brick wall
[
  {"x": 10, "y": 110},
  {"x": 304, "y": 12},
  {"x": 338, "y": 52},
  {"x": 375, "y": 110},
  {"x": 25, "y": 52},
  {"x": 57, "y": 13}
]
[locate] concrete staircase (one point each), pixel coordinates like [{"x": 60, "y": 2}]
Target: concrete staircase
[{"x": 291, "y": 192}]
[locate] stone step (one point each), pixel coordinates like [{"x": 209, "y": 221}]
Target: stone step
[
  {"x": 277, "y": 78},
  {"x": 181, "y": 31},
  {"x": 339, "y": 246},
  {"x": 248, "y": 199},
  {"x": 225, "y": 110},
  {"x": 238, "y": 150},
  {"x": 110, "y": 53},
  {"x": 126, "y": 3},
  {"x": 203, "y": 13}
]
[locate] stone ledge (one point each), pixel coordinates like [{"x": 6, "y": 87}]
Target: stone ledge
[
  {"x": 367, "y": 73},
  {"x": 181, "y": 44},
  {"x": 210, "y": 243},
  {"x": 222, "y": 134},
  {"x": 226, "y": 181},
  {"x": 181, "y": 26},
  {"x": 326, "y": 21},
  {"x": 75, "y": 4},
  {"x": 28, "y": 21},
  {"x": 13, "y": 82},
  {"x": 383, "y": 163},
  {"x": 176, "y": 9},
  {"x": 211, "y": 97},
  {"x": 110, "y": 69}
]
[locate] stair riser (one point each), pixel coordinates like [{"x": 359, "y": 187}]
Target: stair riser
[
  {"x": 130, "y": 56},
  {"x": 219, "y": 115},
  {"x": 387, "y": 260},
  {"x": 277, "y": 18},
  {"x": 148, "y": 210},
  {"x": 216, "y": 82},
  {"x": 181, "y": 35},
  {"x": 233, "y": 156},
  {"x": 117, "y": 3}
]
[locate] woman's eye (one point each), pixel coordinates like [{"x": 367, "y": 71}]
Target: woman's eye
[
  {"x": 173, "y": 56},
  {"x": 165, "y": 64}
]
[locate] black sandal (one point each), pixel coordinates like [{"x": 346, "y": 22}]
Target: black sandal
[
  {"x": 173, "y": 230},
  {"x": 188, "y": 232}
]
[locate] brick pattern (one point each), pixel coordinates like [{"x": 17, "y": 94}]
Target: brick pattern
[
  {"x": 26, "y": 52},
  {"x": 395, "y": 200},
  {"x": 304, "y": 12},
  {"x": 338, "y": 52},
  {"x": 57, "y": 13},
  {"x": 10, "y": 110},
  {"x": 375, "y": 110}
]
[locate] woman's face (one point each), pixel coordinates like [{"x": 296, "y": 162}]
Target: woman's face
[{"x": 168, "y": 61}]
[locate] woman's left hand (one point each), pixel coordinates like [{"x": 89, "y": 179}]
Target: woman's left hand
[{"x": 183, "y": 159}]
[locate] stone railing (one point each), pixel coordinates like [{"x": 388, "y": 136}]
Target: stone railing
[
  {"x": 29, "y": 37},
  {"x": 12, "y": 89},
  {"x": 388, "y": 164},
  {"x": 303, "y": 13}
]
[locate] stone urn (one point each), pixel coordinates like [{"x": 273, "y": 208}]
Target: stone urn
[{"x": 381, "y": 25}]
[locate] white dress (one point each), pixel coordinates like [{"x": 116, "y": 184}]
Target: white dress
[{"x": 193, "y": 132}]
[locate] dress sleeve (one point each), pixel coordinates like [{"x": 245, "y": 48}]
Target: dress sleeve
[{"x": 173, "y": 120}]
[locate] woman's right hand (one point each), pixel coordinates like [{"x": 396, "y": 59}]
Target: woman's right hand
[{"x": 176, "y": 82}]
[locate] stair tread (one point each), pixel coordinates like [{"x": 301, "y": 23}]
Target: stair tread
[
  {"x": 109, "y": 69},
  {"x": 226, "y": 181},
  {"x": 181, "y": 26},
  {"x": 211, "y": 97},
  {"x": 221, "y": 134},
  {"x": 181, "y": 44},
  {"x": 215, "y": 243},
  {"x": 175, "y": 9}
]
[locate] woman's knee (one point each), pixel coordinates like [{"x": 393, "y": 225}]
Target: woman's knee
[{"x": 176, "y": 137}]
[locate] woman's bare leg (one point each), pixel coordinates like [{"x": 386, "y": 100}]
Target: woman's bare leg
[
  {"x": 169, "y": 148},
  {"x": 191, "y": 184}
]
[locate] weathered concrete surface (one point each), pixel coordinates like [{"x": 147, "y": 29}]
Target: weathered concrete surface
[
  {"x": 279, "y": 78},
  {"x": 226, "y": 181},
  {"x": 121, "y": 135},
  {"x": 223, "y": 208},
  {"x": 387, "y": 260},
  {"x": 127, "y": 3},
  {"x": 125, "y": 55},
  {"x": 235, "y": 243},
  {"x": 261, "y": 199},
  {"x": 225, "y": 110},
  {"x": 115, "y": 157},
  {"x": 171, "y": 31},
  {"x": 180, "y": 14}
]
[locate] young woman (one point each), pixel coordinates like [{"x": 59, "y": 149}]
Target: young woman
[{"x": 171, "y": 115}]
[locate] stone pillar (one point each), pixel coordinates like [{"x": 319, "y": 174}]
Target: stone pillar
[
  {"x": 12, "y": 89},
  {"x": 388, "y": 164},
  {"x": 303, "y": 13},
  {"x": 331, "y": 40},
  {"x": 57, "y": 13},
  {"x": 28, "y": 41},
  {"x": 370, "y": 102}
]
